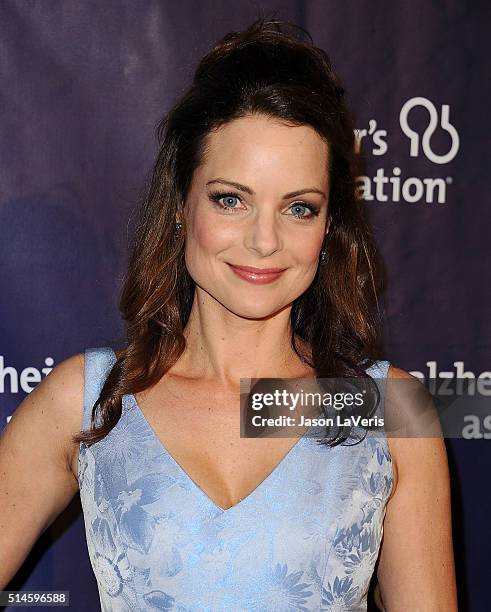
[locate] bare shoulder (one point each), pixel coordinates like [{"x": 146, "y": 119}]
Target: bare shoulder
[
  {"x": 414, "y": 438},
  {"x": 416, "y": 559},
  {"x": 53, "y": 410},
  {"x": 36, "y": 451},
  {"x": 395, "y": 372},
  {"x": 66, "y": 385}
]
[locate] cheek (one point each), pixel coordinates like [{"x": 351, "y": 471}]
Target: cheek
[
  {"x": 210, "y": 238},
  {"x": 305, "y": 251},
  {"x": 211, "y": 234},
  {"x": 207, "y": 240},
  {"x": 203, "y": 237}
]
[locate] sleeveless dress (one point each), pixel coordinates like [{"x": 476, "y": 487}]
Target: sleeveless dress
[{"x": 307, "y": 538}]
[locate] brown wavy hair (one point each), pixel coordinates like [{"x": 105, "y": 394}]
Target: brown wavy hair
[{"x": 262, "y": 70}]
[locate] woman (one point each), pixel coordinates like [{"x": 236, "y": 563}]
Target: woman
[{"x": 252, "y": 259}]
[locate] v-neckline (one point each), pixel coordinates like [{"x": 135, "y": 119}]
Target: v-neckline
[{"x": 201, "y": 492}]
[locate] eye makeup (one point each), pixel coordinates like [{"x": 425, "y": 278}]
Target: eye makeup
[{"x": 216, "y": 196}]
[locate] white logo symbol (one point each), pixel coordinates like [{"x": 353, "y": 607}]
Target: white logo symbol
[{"x": 433, "y": 124}]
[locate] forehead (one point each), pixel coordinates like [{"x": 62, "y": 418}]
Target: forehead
[{"x": 260, "y": 149}]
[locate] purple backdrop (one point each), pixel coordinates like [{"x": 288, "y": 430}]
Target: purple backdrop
[{"x": 83, "y": 86}]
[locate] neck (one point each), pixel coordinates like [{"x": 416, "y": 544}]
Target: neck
[{"x": 224, "y": 347}]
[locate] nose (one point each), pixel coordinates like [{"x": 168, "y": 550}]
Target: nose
[{"x": 263, "y": 235}]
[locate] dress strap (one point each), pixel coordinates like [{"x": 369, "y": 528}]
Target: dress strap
[
  {"x": 379, "y": 372},
  {"x": 380, "y": 368},
  {"x": 97, "y": 365}
]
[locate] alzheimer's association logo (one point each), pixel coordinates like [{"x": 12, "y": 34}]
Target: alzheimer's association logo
[{"x": 442, "y": 121}]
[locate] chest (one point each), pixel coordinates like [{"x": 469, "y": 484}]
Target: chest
[
  {"x": 201, "y": 430},
  {"x": 314, "y": 523},
  {"x": 307, "y": 536}
]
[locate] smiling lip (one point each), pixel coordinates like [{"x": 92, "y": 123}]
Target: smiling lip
[{"x": 258, "y": 276}]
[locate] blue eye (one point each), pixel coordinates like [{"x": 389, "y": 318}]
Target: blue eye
[
  {"x": 229, "y": 201},
  {"x": 227, "y": 197},
  {"x": 299, "y": 206},
  {"x": 303, "y": 205}
]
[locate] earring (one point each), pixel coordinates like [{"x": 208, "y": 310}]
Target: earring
[
  {"x": 177, "y": 227},
  {"x": 323, "y": 259}
]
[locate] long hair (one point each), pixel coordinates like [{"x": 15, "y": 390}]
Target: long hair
[{"x": 262, "y": 70}]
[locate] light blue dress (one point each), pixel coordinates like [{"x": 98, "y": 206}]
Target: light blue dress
[{"x": 307, "y": 538}]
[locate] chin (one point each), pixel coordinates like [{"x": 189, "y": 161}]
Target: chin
[{"x": 254, "y": 311}]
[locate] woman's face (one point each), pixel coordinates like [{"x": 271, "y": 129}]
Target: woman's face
[{"x": 243, "y": 210}]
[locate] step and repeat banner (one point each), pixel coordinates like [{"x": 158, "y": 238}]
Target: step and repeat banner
[{"x": 83, "y": 86}]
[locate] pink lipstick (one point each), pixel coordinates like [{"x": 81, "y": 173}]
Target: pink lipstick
[{"x": 257, "y": 276}]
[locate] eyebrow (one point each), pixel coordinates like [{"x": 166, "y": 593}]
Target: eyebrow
[{"x": 248, "y": 190}]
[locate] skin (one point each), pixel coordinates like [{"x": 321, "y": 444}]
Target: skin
[
  {"x": 416, "y": 569},
  {"x": 235, "y": 330},
  {"x": 272, "y": 160}
]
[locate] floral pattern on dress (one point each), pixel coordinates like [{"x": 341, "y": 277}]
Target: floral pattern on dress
[
  {"x": 356, "y": 544},
  {"x": 340, "y": 595},
  {"x": 307, "y": 539},
  {"x": 278, "y": 590}
]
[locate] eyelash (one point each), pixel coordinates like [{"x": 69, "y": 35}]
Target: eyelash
[{"x": 217, "y": 195}]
